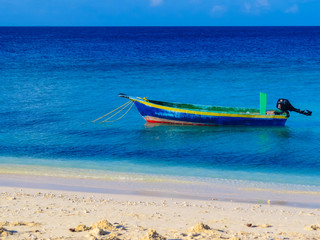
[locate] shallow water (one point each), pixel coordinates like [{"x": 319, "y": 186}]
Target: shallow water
[{"x": 55, "y": 81}]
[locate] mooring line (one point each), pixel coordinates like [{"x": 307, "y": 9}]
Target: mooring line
[
  {"x": 117, "y": 113},
  {"x": 124, "y": 105}
]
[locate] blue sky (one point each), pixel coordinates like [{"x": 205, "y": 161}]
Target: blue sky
[{"x": 159, "y": 12}]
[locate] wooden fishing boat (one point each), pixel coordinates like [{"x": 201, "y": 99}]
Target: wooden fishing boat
[{"x": 191, "y": 114}]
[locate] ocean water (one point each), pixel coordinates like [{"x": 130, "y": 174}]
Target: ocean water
[{"x": 56, "y": 80}]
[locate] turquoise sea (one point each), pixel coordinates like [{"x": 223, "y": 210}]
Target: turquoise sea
[{"x": 56, "y": 80}]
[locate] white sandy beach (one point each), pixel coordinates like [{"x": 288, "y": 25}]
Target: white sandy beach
[{"x": 30, "y": 213}]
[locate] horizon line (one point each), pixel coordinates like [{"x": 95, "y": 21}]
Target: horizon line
[{"x": 167, "y": 26}]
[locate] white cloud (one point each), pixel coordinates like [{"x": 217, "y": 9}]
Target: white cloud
[
  {"x": 256, "y": 6},
  {"x": 218, "y": 9},
  {"x": 293, "y": 9},
  {"x": 262, "y": 3},
  {"x": 155, "y": 3}
]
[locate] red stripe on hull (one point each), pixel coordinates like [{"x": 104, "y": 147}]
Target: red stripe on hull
[{"x": 167, "y": 121}]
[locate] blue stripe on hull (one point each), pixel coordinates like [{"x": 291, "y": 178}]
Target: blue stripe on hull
[{"x": 204, "y": 119}]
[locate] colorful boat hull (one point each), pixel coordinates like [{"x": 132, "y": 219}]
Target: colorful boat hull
[{"x": 156, "y": 113}]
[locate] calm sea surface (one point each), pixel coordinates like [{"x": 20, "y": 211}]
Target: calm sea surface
[{"x": 55, "y": 81}]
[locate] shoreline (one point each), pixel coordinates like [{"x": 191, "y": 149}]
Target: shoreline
[
  {"x": 55, "y": 214},
  {"x": 142, "y": 185}
]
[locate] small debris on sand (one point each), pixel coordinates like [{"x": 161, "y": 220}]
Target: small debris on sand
[
  {"x": 18, "y": 223},
  {"x": 260, "y": 226},
  {"x": 104, "y": 225},
  {"x": 4, "y": 232},
  {"x": 251, "y": 225},
  {"x": 234, "y": 238},
  {"x": 313, "y": 228},
  {"x": 153, "y": 235},
  {"x": 80, "y": 228},
  {"x": 200, "y": 227},
  {"x": 264, "y": 226},
  {"x": 97, "y": 232}
]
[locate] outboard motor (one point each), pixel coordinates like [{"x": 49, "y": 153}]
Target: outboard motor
[{"x": 285, "y": 106}]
